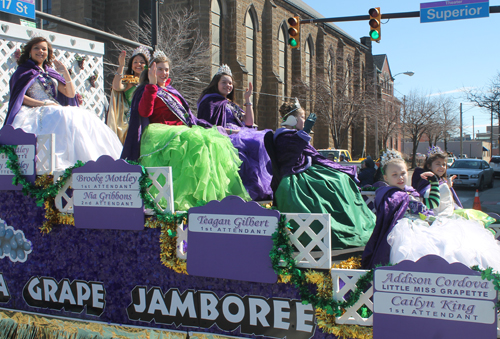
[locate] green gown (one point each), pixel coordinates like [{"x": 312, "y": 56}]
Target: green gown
[{"x": 204, "y": 163}]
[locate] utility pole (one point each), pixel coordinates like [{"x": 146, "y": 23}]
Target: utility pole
[
  {"x": 154, "y": 24},
  {"x": 473, "y": 129},
  {"x": 491, "y": 132},
  {"x": 461, "y": 135}
]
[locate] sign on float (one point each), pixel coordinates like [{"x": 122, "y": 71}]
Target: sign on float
[
  {"x": 454, "y": 10},
  {"x": 24, "y": 8}
]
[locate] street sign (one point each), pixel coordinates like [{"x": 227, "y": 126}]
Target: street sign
[
  {"x": 454, "y": 10},
  {"x": 24, "y": 8}
]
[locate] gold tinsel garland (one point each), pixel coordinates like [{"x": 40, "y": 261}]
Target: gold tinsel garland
[{"x": 52, "y": 214}]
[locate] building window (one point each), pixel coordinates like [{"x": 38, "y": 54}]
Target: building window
[
  {"x": 216, "y": 20},
  {"x": 144, "y": 13},
  {"x": 282, "y": 60},
  {"x": 331, "y": 67},
  {"x": 250, "y": 47},
  {"x": 308, "y": 63},
  {"x": 44, "y": 6}
]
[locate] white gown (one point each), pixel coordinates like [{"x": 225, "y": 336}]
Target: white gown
[
  {"x": 79, "y": 134},
  {"x": 452, "y": 238}
]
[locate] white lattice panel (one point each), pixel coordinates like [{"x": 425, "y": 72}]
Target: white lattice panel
[
  {"x": 165, "y": 191},
  {"x": 64, "y": 199},
  {"x": 496, "y": 228},
  {"x": 66, "y": 47},
  {"x": 350, "y": 277},
  {"x": 45, "y": 157},
  {"x": 321, "y": 257},
  {"x": 182, "y": 232},
  {"x": 369, "y": 198}
]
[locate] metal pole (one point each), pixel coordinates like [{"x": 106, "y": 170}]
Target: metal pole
[
  {"x": 41, "y": 9},
  {"x": 403, "y": 123},
  {"x": 491, "y": 132},
  {"x": 473, "y": 128},
  {"x": 154, "y": 24},
  {"x": 90, "y": 30},
  {"x": 461, "y": 135}
]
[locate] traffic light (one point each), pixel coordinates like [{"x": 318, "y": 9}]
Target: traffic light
[
  {"x": 375, "y": 22},
  {"x": 294, "y": 32}
]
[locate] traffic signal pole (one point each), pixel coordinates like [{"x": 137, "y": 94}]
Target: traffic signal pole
[{"x": 402, "y": 15}]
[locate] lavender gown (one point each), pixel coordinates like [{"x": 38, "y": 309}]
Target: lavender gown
[{"x": 256, "y": 169}]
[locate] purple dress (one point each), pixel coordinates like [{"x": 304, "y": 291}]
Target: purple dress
[{"x": 256, "y": 169}]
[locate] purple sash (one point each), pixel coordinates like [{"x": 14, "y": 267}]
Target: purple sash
[{"x": 174, "y": 106}]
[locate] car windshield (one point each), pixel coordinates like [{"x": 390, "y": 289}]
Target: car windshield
[
  {"x": 495, "y": 160},
  {"x": 330, "y": 154},
  {"x": 466, "y": 164}
]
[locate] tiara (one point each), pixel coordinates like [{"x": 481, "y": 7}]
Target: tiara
[
  {"x": 142, "y": 50},
  {"x": 434, "y": 150},
  {"x": 297, "y": 106},
  {"x": 224, "y": 69},
  {"x": 389, "y": 155},
  {"x": 159, "y": 54}
]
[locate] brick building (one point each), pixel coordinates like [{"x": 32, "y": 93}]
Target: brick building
[{"x": 251, "y": 37}]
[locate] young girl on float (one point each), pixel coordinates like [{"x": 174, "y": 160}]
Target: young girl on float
[
  {"x": 216, "y": 105},
  {"x": 410, "y": 238},
  {"x": 124, "y": 86},
  {"x": 393, "y": 203},
  {"x": 42, "y": 101},
  {"x": 311, "y": 183},
  {"x": 164, "y": 132}
]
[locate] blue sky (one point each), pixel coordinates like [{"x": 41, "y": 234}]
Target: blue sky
[{"x": 445, "y": 56}]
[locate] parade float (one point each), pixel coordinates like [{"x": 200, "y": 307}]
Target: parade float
[{"x": 97, "y": 251}]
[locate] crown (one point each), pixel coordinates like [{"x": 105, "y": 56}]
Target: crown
[
  {"x": 224, "y": 69},
  {"x": 159, "y": 54},
  {"x": 389, "y": 155},
  {"x": 434, "y": 150},
  {"x": 142, "y": 50}
]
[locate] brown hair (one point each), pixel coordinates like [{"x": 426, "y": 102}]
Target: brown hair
[
  {"x": 288, "y": 107},
  {"x": 144, "y": 78},
  {"x": 130, "y": 71},
  {"x": 431, "y": 159},
  {"x": 26, "y": 51},
  {"x": 213, "y": 87}
]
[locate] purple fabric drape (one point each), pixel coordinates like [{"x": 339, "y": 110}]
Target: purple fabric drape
[
  {"x": 294, "y": 155},
  {"x": 212, "y": 108},
  {"x": 391, "y": 203},
  {"x": 22, "y": 79},
  {"x": 137, "y": 124}
]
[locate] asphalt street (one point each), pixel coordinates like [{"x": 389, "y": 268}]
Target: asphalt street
[{"x": 490, "y": 197}]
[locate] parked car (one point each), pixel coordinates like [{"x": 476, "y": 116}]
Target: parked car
[
  {"x": 495, "y": 164},
  {"x": 474, "y": 173},
  {"x": 450, "y": 161}
]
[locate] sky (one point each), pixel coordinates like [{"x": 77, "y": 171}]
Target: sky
[{"x": 445, "y": 56}]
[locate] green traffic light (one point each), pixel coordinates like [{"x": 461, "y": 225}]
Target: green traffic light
[
  {"x": 374, "y": 34},
  {"x": 292, "y": 42}
]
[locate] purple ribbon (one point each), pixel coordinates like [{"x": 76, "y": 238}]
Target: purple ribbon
[{"x": 174, "y": 106}]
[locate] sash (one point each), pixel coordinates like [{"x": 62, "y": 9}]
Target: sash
[
  {"x": 236, "y": 111},
  {"x": 174, "y": 106},
  {"x": 48, "y": 84}
]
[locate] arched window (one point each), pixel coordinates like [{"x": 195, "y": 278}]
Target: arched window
[
  {"x": 282, "y": 59},
  {"x": 331, "y": 67},
  {"x": 250, "y": 46},
  {"x": 348, "y": 76},
  {"x": 308, "y": 62},
  {"x": 216, "y": 60}
]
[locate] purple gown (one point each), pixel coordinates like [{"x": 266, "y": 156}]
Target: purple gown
[{"x": 256, "y": 169}]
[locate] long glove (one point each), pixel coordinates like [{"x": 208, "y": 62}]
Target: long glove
[{"x": 310, "y": 121}]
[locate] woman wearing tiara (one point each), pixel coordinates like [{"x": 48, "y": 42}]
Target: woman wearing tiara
[
  {"x": 164, "y": 132},
  {"x": 41, "y": 102},
  {"x": 216, "y": 106},
  {"x": 311, "y": 183},
  {"x": 124, "y": 88}
]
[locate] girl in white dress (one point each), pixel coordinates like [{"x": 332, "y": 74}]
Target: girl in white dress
[{"x": 39, "y": 99}]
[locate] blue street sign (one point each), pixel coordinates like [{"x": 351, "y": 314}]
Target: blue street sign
[
  {"x": 454, "y": 10},
  {"x": 25, "y": 8}
]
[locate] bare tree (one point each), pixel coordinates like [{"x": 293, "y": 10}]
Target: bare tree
[
  {"x": 388, "y": 120},
  {"x": 180, "y": 38},
  {"x": 340, "y": 99},
  {"x": 418, "y": 110},
  {"x": 488, "y": 97}
]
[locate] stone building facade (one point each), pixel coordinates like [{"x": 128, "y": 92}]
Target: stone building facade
[{"x": 251, "y": 37}]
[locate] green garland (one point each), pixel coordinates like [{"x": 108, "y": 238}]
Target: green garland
[
  {"x": 282, "y": 248},
  {"x": 40, "y": 194}
]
